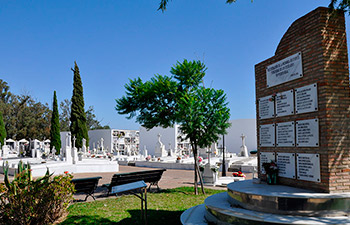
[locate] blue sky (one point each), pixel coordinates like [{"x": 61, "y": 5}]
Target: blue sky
[{"x": 113, "y": 41}]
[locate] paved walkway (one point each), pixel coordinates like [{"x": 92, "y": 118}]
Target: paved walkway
[{"x": 171, "y": 179}]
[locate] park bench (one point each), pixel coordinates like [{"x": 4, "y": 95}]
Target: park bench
[
  {"x": 86, "y": 185},
  {"x": 148, "y": 176}
]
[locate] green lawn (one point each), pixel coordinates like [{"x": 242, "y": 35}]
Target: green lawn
[{"x": 164, "y": 207}]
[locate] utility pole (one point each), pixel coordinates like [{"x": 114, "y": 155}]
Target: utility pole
[{"x": 223, "y": 157}]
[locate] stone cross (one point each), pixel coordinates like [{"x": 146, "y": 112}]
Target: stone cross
[
  {"x": 209, "y": 151},
  {"x": 243, "y": 139},
  {"x": 74, "y": 139}
]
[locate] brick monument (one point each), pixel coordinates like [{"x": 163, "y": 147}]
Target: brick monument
[{"x": 303, "y": 105}]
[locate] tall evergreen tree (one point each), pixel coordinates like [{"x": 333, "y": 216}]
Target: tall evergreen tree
[
  {"x": 55, "y": 136},
  {"x": 78, "y": 126},
  {"x": 2, "y": 130}
]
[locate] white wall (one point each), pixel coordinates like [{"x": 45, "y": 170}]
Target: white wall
[
  {"x": 233, "y": 139},
  {"x": 150, "y": 138},
  {"x": 96, "y": 135}
]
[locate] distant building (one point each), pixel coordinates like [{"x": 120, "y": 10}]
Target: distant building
[
  {"x": 169, "y": 137},
  {"x": 115, "y": 140}
]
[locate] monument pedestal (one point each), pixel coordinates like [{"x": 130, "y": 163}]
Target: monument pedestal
[{"x": 249, "y": 203}]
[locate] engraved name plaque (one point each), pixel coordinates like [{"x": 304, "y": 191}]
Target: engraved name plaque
[
  {"x": 266, "y": 157},
  {"x": 286, "y": 164},
  {"x": 284, "y": 103},
  {"x": 308, "y": 167},
  {"x": 306, "y": 99},
  {"x": 307, "y": 133},
  {"x": 285, "y": 134},
  {"x": 285, "y": 70},
  {"x": 266, "y": 107},
  {"x": 267, "y": 135}
]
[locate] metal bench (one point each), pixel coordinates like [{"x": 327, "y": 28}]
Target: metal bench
[
  {"x": 148, "y": 176},
  {"x": 86, "y": 185}
]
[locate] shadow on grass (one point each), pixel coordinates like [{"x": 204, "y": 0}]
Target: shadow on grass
[{"x": 154, "y": 217}]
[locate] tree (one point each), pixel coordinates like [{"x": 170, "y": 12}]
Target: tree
[
  {"x": 2, "y": 130},
  {"x": 65, "y": 106},
  {"x": 340, "y": 4},
  {"x": 78, "y": 126},
  {"x": 55, "y": 136},
  {"x": 201, "y": 112},
  {"x": 92, "y": 122}
]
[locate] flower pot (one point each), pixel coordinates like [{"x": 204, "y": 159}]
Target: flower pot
[{"x": 272, "y": 178}]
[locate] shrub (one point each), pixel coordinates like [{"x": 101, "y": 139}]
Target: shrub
[{"x": 40, "y": 201}]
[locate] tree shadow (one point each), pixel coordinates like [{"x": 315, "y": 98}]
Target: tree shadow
[{"x": 154, "y": 217}]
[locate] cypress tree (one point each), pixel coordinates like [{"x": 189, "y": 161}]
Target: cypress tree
[
  {"x": 2, "y": 130},
  {"x": 55, "y": 136},
  {"x": 78, "y": 126}
]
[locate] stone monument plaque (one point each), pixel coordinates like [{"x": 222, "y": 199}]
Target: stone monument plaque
[
  {"x": 286, "y": 164},
  {"x": 267, "y": 135},
  {"x": 307, "y": 133},
  {"x": 266, "y": 107},
  {"x": 266, "y": 157},
  {"x": 306, "y": 99},
  {"x": 284, "y": 103},
  {"x": 285, "y": 70},
  {"x": 308, "y": 167},
  {"x": 285, "y": 134}
]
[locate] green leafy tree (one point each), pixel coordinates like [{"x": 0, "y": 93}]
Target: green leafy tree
[
  {"x": 2, "y": 130},
  {"x": 340, "y": 4},
  {"x": 201, "y": 112},
  {"x": 78, "y": 126},
  {"x": 92, "y": 122},
  {"x": 55, "y": 136}
]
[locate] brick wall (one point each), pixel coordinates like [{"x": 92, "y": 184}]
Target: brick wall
[{"x": 321, "y": 38}]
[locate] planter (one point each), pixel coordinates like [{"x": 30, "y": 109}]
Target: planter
[{"x": 271, "y": 178}]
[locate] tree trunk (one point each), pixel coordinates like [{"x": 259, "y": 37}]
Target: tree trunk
[
  {"x": 200, "y": 180},
  {"x": 195, "y": 173}
]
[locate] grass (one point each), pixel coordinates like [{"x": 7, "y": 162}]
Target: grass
[{"x": 164, "y": 207}]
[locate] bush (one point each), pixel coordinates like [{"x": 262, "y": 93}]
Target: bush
[{"x": 40, "y": 201}]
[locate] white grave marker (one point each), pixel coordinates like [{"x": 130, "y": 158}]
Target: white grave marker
[
  {"x": 285, "y": 134},
  {"x": 267, "y": 135},
  {"x": 266, "y": 107},
  {"x": 284, "y": 103},
  {"x": 307, "y": 133},
  {"x": 286, "y": 164},
  {"x": 306, "y": 99},
  {"x": 308, "y": 167},
  {"x": 266, "y": 157}
]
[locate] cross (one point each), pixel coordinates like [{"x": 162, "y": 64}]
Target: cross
[
  {"x": 243, "y": 137},
  {"x": 74, "y": 139}
]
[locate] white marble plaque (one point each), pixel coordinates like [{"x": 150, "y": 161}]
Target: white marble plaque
[
  {"x": 285, "y": 136},
  {"x": 306, "y": 99},
  {"x": 267, "y": 135},
  {"x": 266, "y": 157},
  {"x": 307, "y": 133},
  {"x": 284, "y": 103},
  {"x": 308, "y": 167},
  {"x": 266, "y": 107},
  {"x": 286, "y": 164},
  {"x": 285, "y": 70}
]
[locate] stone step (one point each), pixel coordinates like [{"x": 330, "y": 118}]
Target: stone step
[
  {"x": 281, "y": 199},
  {"x": 219, "y": 211}
]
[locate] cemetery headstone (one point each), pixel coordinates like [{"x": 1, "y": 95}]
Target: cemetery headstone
[{"x": 303, "y": 104}]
